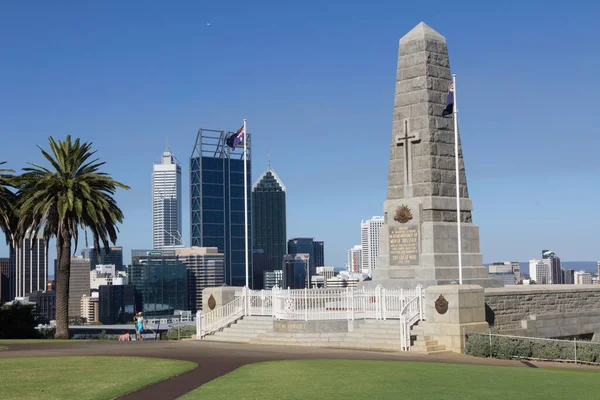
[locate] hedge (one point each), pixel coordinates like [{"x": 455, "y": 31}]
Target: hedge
[
  {"x": 185, "y": 331},
  {"x": 508, "y": 347}
]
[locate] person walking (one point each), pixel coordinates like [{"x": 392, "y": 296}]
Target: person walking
[{"x": 140, "y": 325}]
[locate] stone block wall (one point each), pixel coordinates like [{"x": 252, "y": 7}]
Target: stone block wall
[{"x": 507, "y": 307}]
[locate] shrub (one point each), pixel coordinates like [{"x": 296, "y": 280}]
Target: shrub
[
  {"x": 185, "y": 331},
  {"x": 17, "y": 322}
]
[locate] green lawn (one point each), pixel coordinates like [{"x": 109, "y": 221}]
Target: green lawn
[
  {"x": 375, "y": 380},
  {"x": 82, "y": 377},
  {"x": 44, "y": 341}
]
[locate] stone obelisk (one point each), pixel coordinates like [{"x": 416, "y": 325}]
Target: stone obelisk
[{"x": 418, "y": 241}]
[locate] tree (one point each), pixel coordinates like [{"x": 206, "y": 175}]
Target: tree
[
  {"x": 7, "y": 198},
  {"x": 59, "y": 200}
]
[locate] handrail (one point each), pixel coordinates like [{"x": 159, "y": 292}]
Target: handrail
[{"x": 220, "y": 317}]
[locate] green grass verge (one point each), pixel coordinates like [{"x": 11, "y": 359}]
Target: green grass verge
[
  {"x": 3, "y": 348},
  {"x": 345, "y": 379},
  {"x": 45, "y": 341},
  {"x": 82, "y": 377}
]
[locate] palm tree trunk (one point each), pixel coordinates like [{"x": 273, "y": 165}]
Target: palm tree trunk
[{"x": 63, "y": 273}]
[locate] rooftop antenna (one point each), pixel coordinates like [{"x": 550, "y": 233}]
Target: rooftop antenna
[
  {"x": 167, "y": 149},
  {"x": 269, "y": 158}
]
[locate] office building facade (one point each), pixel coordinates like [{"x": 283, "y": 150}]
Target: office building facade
[
  {"x": 29, "y": 266},
  {"x": 369, "y": 240},
  {"x": 273, "y": 278},
  {"x": 116, "y": 304},
  {"x": 114, "y": 256},
  {"x": 205, "y": 269},
  {"x": 217, "y": 201},
  {"x": 45, "y": 305},
  {"x": 5, "y": 292},
  {"x": 355, "y": 260},
  {"x": 79, "y": 284},
  {"x": 160, "y": 280},
  {"x": 315, "y": 250},
  {"x": 166, "y": 202},
  {"x": 268, "y": 222},
  {"x": 90, "y": 307},
  {"x": 295, "y": 271}
]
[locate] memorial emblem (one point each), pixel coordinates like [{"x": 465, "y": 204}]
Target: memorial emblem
[
  {"x": 212, "y": 303},
  {"x": 403, "y": 214},
  {"x": 441, "y": 305}
]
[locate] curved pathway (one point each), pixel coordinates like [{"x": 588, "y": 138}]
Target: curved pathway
[{"x": 217, "y": 359}]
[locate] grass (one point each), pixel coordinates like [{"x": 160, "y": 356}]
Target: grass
[
  {"x": 82, "y": 377},
  {"x": 345, "y": 379},
  {"x": 3, "y": 348},
  {"x": 45, "y": 341}
]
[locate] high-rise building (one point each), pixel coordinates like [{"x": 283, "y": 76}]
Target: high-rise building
[
  {"x": 166, "y": 202},
  {"x": 160, "y": 280},
  {"x": 114, "y": 257},
  {"x": 269, "y": 219},
  {"x": 568, "y": 276},
  {"x": 583, "y": 278},
  {"x": 116, "y": 304},
  {"x": 45, "y": 305},
  {"x": 539, "y": 271},
  {"x": 553, "y": 261},
  {"x": 79, "y": 284},
  {"x": 205, "y": 269},
  {"x": 29, "y": 266},
  {"x": 261, "y": 264},
  {"x": 506, "y": 267},
  {"x": 309, "y": 246},
  {"x": 295, "y": 271},
  {"x": 90, "y": 307},
  {"x": 217, "y": 201},
  {"x": 598, "y": 268},
  {"x": 369, "y": 240},
  {"x": 355, "y": 260},
  {"x": 5, "y": 280},
  {"x": 273, "y": 278}
]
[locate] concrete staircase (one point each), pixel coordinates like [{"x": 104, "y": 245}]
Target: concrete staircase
[
  {"x": 243, "y": 330},
  {"x": 424, "y": 344},
  {"x": 325, "y": 339},
  {"x": 373, "y": 334}
]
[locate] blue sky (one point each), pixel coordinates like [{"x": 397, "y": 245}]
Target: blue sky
[{"x": 315, "y": 81}]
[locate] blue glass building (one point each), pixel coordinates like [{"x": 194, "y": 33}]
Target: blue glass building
[
  {"x": 217, "y": 201},
  {"x": 315, "y": 250}
]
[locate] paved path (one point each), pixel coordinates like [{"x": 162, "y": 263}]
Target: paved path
[{"x": 216, "y": 359}]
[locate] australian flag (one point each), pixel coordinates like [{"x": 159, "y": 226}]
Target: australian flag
[
  {"x": 450, "y": 102},
  {"x": 236, "y": 138}
]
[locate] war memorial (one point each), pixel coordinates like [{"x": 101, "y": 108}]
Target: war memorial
[{"x": 414, "y": 300}]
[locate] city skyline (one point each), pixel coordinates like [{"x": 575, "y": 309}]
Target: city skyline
[{"x": 133, "y": 91}]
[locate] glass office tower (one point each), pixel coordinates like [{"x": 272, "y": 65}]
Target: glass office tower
[{"x": 217, "y": 201}]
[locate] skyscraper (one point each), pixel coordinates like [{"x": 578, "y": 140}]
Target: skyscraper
[
  {"x": 269, "y": 218},
  {"x": 29, "y": 266},
  {"x": 5, "y": 280},
  {"x": 309, "y": 246},
  {"x": 369, "y": 240},
  {"x": 355, "y": 259},
  {"x": 166, "y": 202},
  {"x": 553, "y": 261},
  {"x": 114, "y": 257},
  {"x": 204, "y": 268},
  {"x": 217, "y": 201},
  {"x": 79, "y": 284}
]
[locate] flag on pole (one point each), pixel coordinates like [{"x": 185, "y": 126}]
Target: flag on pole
[
  {"x": 236, "y": 138},
  {"x": 450, "y": 102}
]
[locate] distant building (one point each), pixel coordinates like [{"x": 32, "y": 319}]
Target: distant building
[
  {"x": 599, "y": 268},
  {"x": 166, "y": 202},
  {"x": 507, "y": 277},
  {"x": 539, "y": 271},
  {"x": 79, "y": 284},
  {"x": 51, "y": 285},
  {"x": 355, "y": 259},
  {"x": 269, "y": 223},
  {"x": 217, "y": 201},
  {"x": 583, "y": 278},
  {"x": 369, "y": 233},
  {"x": 45, "y": 305},
  {"x": 506, "y": 267},
  {"x": 261, "y": 263},
  {"x": 273, "y": 278},
  {"x": 320, "y": 279},
  {"x": 117, "y": 304},
  {"x": 295, "y": 271},
  {"x": 568, "y": 276},
  {"x": 205, "y": 269},
  {"x": 29, "y": 264},
  {"x": 160, "y": 280},
  {"x": 114, "y": 257},
  {"x": 550, "y": 258},
  {"x": 90, "y": 307},
  {"x": 5, "y": 280},
  {"x": 314, "y": 249}
]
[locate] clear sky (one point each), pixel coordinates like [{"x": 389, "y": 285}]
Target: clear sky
[{"x": 315, "y": 81}]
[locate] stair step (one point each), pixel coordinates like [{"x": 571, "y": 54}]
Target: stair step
[{"x": 363, "y": 334}]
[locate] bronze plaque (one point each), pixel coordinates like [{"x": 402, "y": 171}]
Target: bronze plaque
[
  {"x": 441, "y": 305},
  {"x": 212, "y": 303},
  {"x": 404, "y": 245},
  {"x": 403, "y": 214}
]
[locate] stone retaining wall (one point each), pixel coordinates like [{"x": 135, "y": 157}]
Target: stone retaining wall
[{"x": 506, "y": 307}]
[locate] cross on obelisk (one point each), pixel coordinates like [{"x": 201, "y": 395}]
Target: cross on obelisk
[{"x": 405, "y": 141}]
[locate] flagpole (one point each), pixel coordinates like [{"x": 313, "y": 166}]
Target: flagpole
[
  {"x": 455, "y": 112},
  {"x": 245, "y": 204}
]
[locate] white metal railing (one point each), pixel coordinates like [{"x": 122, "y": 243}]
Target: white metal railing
[
  {"x": 220, "y": 317},
  {"x": 320, "y": 304}
]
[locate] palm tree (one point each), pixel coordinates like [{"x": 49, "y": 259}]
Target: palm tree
[
  {"x": 7, "y": 198},
  {"x": 59, "y": 200}
]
